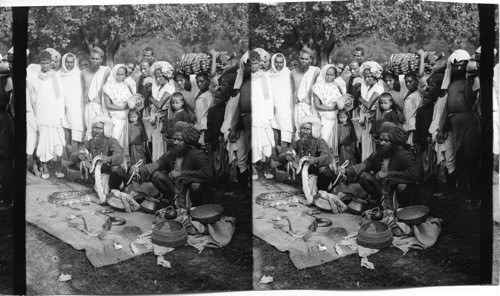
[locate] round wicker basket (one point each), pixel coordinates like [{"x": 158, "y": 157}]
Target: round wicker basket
[
  {"x": 170, "y": 234},
  {"x": 374, "y": 235},
  {"x": 413, "y": 215}
]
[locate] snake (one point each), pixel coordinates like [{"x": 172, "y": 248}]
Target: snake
[
  {"x": 67, "y": 198},
  {"x": 279, "y": 198},
  {"x": 106, "y": 227}
]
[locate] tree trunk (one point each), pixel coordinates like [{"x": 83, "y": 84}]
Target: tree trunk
[{"x": 111, "y": 50}]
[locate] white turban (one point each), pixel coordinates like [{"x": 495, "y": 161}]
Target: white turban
[{"x": 457, "y": 56}]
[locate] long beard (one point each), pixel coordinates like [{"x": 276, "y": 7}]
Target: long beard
[
  {"x": 94, "y": 67},
  {"x": 306, "y": 142},
  {"x": 387, "y": 151},
  {"x": 180, "y": 151},
  {"x": 303, "y": 68}
]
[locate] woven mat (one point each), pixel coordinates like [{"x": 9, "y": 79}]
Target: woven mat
[
  {"x": 52, "y": 219},
  {"x": 303, "y": 254}
]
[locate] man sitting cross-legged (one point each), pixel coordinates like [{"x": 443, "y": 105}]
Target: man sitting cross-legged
[{"x": 183, "y": 171}]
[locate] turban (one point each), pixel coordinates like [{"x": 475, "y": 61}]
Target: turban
[
  {"x": 54, "y": 53},
  {"x": 190, "y": 135},
  {"x": 457, "y": 56},
  {"x": 357, "y": 80},
  {"x": 374, "y": 68},
  {"x": 165, "y": 68},
  {"x": 147, "y": 80},
  {"x": 310, "y": 119},
  {"x": 397, "y": 135},
  {"x": 98, "y": 50},
  {"x": 102, "y": 119},
  {"x": 263, "y": 54}
]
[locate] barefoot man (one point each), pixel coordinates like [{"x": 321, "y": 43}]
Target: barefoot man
[
  {"x": 303, "y": 79},
  {"x": 93, "y": 78}
]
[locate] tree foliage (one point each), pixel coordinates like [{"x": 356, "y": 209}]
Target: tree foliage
[
  {"x": 322, "y": 26},
  {"x": 5, "y": 29},
  {"x": 111, "y": 26}
]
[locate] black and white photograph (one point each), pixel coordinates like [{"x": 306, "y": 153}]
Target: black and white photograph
[
  {"x": 366, "y": 144},
  {"x": 132, "y": 183},
  {"x": 260, "y": 147}
]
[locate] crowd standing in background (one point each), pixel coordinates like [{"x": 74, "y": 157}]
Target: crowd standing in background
[
  {"x": 143, "y": 115},
  {"x": 397, "y": 133},
  {"x": 143, "y": 118}
]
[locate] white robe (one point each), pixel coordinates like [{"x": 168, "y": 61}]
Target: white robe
[
  {"x": 262, "y": 117},
  {"x": 49, "y": 110},
  {"x": 93, "y": 109},
  {"x": 283, "y": 102},
  {"x": 73, "y": 101}
]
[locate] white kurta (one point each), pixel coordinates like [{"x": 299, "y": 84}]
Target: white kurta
[
  {"x": 73, "y": 101},
  {"x": 49, "y": 110},
  {"x": 262, "y": 117},
  {"x": 283, "y": 102}
]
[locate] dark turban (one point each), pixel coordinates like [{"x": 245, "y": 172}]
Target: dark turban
[
  {"x": 397, "y": 135},
  {"x": 190, "y": 135}
]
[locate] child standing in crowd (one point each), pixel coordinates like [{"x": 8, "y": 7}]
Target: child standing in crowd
[
  {"x": 346, "y": 138},
  {"x": 388, "y": 111},
  {"x": 422, "y": 138},
  {"x": 137, "y": 137},
  {"x": 214, "y": 139},
  {"x": 179, "y": 111}
]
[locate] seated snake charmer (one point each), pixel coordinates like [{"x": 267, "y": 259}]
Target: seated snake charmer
[
  {"x": 103, "y": 144},
  {"x": 182, "y": 174},
  {"x": 311, "y": 144},
  {"x": 389, "y": 169}
]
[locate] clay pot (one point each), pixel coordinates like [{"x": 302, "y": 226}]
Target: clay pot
[
  {"x": 357, "y": 206},
  {"x": 150, "y": 205},
  {"x": 170, "y": 213},
  {"x": 377, "y": 214}
]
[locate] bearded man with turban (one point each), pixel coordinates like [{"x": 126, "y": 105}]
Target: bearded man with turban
[
  {"x": 182, "y": 174},
  {"x": 311, "y": 144},
  {"x": 389, "y": 169},
  {"x": 101, "y": 143}
]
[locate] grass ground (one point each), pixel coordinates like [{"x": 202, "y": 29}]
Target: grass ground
[
  {"x": 453, "y": 260},
  {"x": 226, "y": 269},
  {"x": 6, "y": 253}
]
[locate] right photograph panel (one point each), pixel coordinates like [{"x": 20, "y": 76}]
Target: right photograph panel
[{"x": 366, "y": 140}]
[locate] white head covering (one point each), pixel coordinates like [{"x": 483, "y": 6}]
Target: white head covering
[
  {"x": 316, "y": 125},
  {"x": 273, "y": 65},
  {"x": 457, "y": 56},
  {"x": 108, "y": 124},
  {"x": 374, "y": 67},
  {"x": 54, "y": 53},
  {"x": 64, "y": 70}
]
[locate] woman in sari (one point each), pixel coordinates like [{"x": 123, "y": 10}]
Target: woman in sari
[
  {"x": 163, "y": 87},
  {"x": 371, "y": 89},
  {"x": 327, "y": 100},
  {"x": 115, "y": 94}
]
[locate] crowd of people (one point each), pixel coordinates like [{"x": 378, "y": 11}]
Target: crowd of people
[
  {"x": 141, "y": 118},
  {"x": 392, "y": 134}
]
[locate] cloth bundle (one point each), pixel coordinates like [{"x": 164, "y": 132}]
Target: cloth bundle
[{"x": 129, "y": 203}]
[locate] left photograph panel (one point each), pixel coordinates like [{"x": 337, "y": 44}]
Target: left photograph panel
[{"x": 132, "y": 185}]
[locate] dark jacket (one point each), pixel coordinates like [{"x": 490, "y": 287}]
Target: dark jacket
[
  {"x": 195, "y": 168},
  {"x": 402, "y": 168}
]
